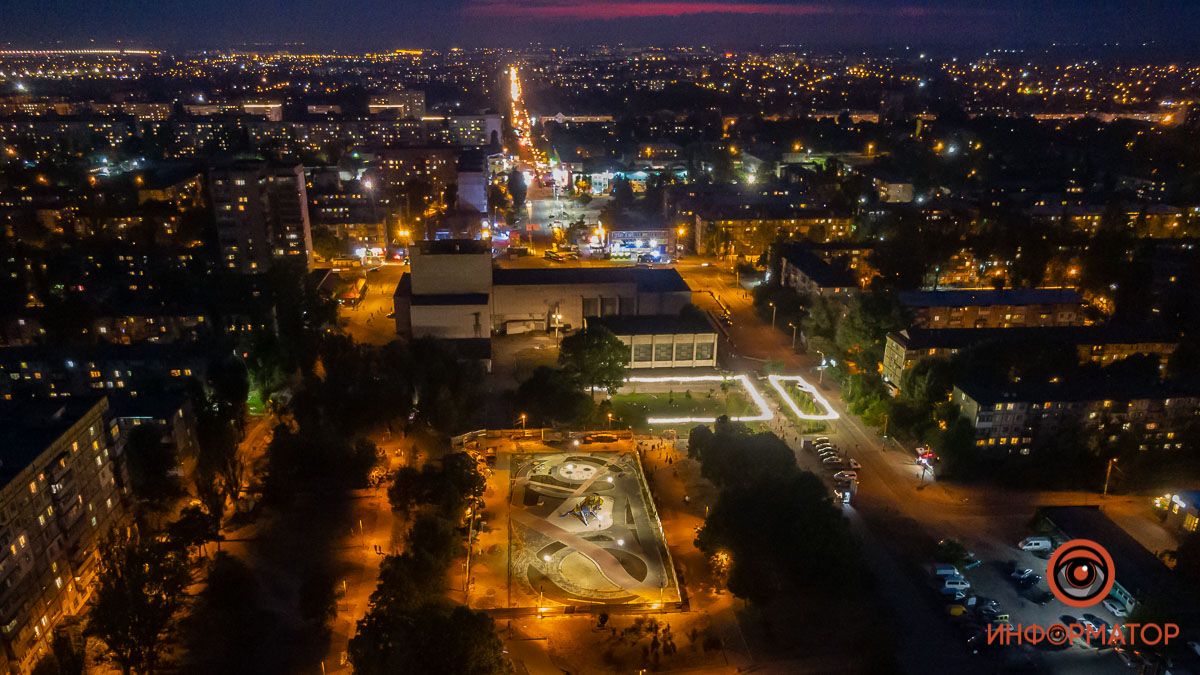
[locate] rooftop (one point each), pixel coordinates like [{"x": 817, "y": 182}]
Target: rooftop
[
  {"x": 648, "y": 280},
  {"x": 960, "y": 338},
  {"x": 1137, "y": 570},
  {"x": 28, "y": 428},
  {"x": 1081, "y": 389},
  {"x": 983, "y": 298},
  {"x": 659, "y": 324},
  {"x": 820, "y": 272}
]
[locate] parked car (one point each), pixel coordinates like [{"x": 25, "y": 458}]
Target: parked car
[
  {"x": 832, "y": 459},
  {"x": 1018, "y": 575},
  {"x": 846, "y": 475},
  {"x": 956, "y": 584},
  {"x": 1038, "y": 596},
  {"x": 1115, "y": 606},
  {"x": 1036, "y": 544},
  {"x": 821, "y": 439},
  {"x": 1028, "y": 582},
  {"x": 1097, "y": 622},
  {"x": 943, "y": 570},
  {"x": 1132, "y": 658},
  {"x": 855, "y": 465}
]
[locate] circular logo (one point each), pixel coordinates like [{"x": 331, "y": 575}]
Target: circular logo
[{"x": 1080, "y": 573}]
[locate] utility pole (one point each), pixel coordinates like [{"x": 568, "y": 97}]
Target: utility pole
[{"x": 1108, "y": 474}]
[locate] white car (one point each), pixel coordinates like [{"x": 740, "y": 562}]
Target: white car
[
  {"x": 832, "y": 460},
  {"x": 845, "y": 475},
  {"x": 1117, "y": 608},
  {"x": 821, "y": 439}
]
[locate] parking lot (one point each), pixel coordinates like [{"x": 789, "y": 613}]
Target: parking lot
[
  {"x": 991, "y": 580},
  {"x": 993, "y": 541}
]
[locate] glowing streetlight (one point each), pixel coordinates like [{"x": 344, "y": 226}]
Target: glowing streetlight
[
  {"x": 523, "y": 417},
  {"x": 773, "y": 310},
  {"x": 793, "y": 325}
]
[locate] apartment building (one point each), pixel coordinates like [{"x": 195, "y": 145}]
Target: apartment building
[{"x": 59, "y": 497}]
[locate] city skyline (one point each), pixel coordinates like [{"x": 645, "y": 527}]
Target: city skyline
[{"x": 375, "y": 24}]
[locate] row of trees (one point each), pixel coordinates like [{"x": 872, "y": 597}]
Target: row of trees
[
  {"x": 410, "y": 626},
  {"x": 774, "y": 521}
]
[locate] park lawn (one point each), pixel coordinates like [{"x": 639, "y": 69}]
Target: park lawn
[
  {"x": 635, "y": 408},
  {"x": 803, "y": 399}
]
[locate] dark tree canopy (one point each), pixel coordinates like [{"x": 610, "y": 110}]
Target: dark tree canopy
[
  {"x": 553, "y": 396},
  {"x": 597, "y": 357}
]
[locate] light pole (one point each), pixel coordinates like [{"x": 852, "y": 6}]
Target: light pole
[
  {"x": 773, "y": 309},
  {"x": 523, "y": 416},
  {"x": 1108, "y": 473},
  {"x": 793, "y": 325},
  {"x": 610, "y": 421}
]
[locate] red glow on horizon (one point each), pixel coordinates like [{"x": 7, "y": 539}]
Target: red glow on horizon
[{"x": 625, "y": 9}]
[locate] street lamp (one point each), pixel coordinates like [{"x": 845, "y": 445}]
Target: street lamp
[
  {"x": 523, "y": 421},
  {"x": 1108, "y": 473},
  {"x": 610, "y": 420},
  {"x": 793, "y": 325},
  {"x": 773, "y": 309}
]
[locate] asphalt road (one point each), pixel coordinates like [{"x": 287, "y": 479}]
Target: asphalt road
[
  {"x": 892, "y": 490},
  {"x": 368, "y": 322}
]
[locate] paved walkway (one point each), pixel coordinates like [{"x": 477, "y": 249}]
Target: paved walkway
[{"x": 607, "y": 562}]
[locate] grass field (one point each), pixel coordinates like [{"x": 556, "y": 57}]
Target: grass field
[{"x": 635, "y": 407}]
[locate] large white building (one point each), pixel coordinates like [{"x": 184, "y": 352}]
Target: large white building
[{"x": 455, "y": 293}]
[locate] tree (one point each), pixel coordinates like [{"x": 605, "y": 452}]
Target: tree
[
  {"x": 517, "y": 189},
  {"x": 732, "y": 455},
  {"x": 597, "y": 357},
  {"x": 553, "y": 396},
  {"x": 432, "y": 638},
  {"x": 226, "y": 630},
  {"x": 230, "y": 384},
  {"x": 622, "y": 192},
  {"x": 140, "y": 586},
  {"x": 781, "y": 532},
  {"x": 151, "y": 463},
  {"x": 65, "y": 657}
]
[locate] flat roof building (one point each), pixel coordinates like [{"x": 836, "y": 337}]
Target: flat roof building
[
  {"x": 664, "y": 341},
  {"x": 994, "y": 308},
  {"x": 1101, "y": 344},
  {"x": 454, "y": 293}
]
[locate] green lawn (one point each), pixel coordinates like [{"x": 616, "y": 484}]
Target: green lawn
[
  {"x": 803, "y": 399},
  {"x": 635, "y": 408}
]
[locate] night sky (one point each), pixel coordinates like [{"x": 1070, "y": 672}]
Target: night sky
[{"x": 381, "y": 24}]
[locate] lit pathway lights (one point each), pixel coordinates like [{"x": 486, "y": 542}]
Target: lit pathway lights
[
  {"x": 764, "y": 411},
  {"x": 777, "y": 382}
]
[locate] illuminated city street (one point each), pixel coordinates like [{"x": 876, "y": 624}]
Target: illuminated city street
[{"x": 498, "y": 337}]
